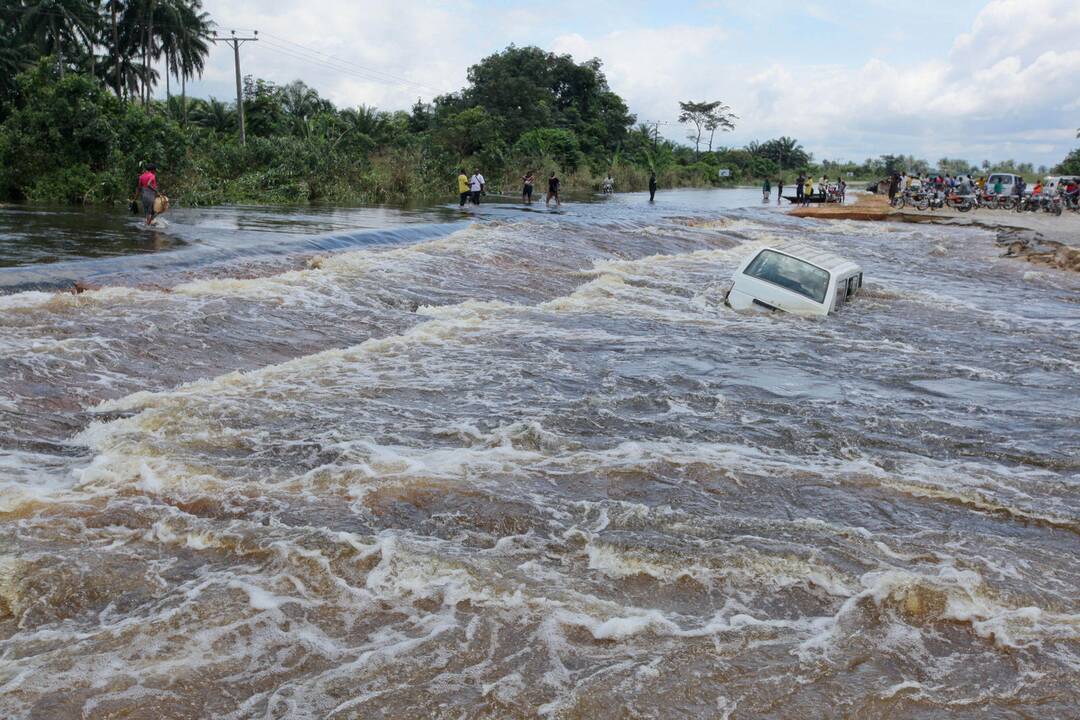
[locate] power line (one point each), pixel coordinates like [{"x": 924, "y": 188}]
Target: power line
[
  {"x": 327, "y": 59},
  {"x": 287, "y": 52},
  {"x": 349, "y": 72}
]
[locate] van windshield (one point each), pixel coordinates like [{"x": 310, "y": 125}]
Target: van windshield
[{"x": 791, "y": 273}]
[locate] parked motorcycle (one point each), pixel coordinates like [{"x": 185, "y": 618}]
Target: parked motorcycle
[
  {"x": 917, "y": 200},
  {"x": 962, "y": 203}
]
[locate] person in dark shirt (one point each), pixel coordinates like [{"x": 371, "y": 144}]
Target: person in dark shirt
[
  {"x": 652, "y": 187},
  {"x": 553, "y": 190}
]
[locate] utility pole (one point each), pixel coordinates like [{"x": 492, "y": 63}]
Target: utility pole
[{"x": 236, "y": 42}]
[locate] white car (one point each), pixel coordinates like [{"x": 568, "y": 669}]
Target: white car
[
  {"x": 1008, "y": 182},
  {"x": 796, "y": 278}
]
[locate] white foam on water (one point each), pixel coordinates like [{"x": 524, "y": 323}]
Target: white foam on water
[
  {"x": 464, "y": 512},
  {"x": 27, "y": 478}
]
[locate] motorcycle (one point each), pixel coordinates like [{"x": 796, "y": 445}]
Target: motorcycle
[
  {"x": 1051, "y": 204},
  {"x": 1026, "y": 203},
  {"x": 917, "y": 200},
  {"x": 962, "y": 203}
]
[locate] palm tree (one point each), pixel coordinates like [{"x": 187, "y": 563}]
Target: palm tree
[
  {"x": 301, "y": 103},
  {"x": 15, "y": 53},
  {"x": 213, "y": 114},
  {"x": 128, "y": 74},
  {"x": 56, "y": 26},
  {"x": 114, "y": 7},
  {"x": 188, "y": 44},
  {"x": 141, "y": 29},
  {"x": 365, "y": 120}
]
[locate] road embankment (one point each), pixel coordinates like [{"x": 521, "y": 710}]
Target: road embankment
[{"x": 1038, "y": 238}]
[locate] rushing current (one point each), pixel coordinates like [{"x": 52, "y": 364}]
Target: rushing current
[{"x": 520, "y": 463}]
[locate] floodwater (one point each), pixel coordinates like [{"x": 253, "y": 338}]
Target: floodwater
[{"x": 369, "y": 463}]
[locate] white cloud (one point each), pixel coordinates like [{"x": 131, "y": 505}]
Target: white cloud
[
  {"x": 649, "y": 66},
  {"x": 383, "y": 54},
  {"x": 1008, "y": 84}
]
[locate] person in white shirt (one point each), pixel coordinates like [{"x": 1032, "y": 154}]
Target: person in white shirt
[{"x": 476, "y": 186}]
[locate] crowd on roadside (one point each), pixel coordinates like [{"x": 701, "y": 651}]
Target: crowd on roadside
[
  {"x": 1002, "y": 191},
  {"x": 967, "y": 185}
]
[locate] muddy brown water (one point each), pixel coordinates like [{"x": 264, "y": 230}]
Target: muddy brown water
[{"x": 529, "y": 465}]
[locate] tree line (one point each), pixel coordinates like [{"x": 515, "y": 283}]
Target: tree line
[
  {"x": 81, "y": 113},
  {"x": 121, "y": 42}
]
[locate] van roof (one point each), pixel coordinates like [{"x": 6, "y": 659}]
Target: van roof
[{"x": 816, "y": 256}]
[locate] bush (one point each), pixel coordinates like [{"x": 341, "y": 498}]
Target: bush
[
  {"x": 560, "y": 146},
  {"x": 1070, "y": 165}
]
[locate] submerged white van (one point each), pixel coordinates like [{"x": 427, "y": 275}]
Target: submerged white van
[{"x": 796, "y": 278}]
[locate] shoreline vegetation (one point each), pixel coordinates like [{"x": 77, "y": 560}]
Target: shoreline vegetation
[{"x": 79, "y": 120}]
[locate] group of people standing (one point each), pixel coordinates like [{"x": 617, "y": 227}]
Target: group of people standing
[
  {"x": 472, "y": 187},
  {"x": 804, "y": 189}
]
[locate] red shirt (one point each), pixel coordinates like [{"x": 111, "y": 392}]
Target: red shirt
[{"x": 148, "y": 180}]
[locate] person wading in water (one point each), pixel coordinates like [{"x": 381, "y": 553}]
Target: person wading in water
[
  {"x": 463, "y": 187},
  {"x": 652, "y": 187},
  {"x": 553, "y": 190},
  {"x": 476, "y": 186},
  {"x": 527, "y": 188},
  {"x": 148, "y": 191},
  {"x": 779, "y": 190}
]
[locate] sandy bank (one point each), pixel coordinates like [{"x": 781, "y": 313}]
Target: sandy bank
[{"x": 1035, "y": 237}]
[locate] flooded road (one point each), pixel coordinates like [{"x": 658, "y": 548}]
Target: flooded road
[{"x": 521, "y": 463}]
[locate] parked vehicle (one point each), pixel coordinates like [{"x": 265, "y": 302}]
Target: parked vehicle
[
  {"x": 963, "y": 203},
  {"x": 796, "y": 278},
  {"x": 913, "y": 198},
  {"x": 1056, "y": 183},
  {"x": 1008, "y": 182}
]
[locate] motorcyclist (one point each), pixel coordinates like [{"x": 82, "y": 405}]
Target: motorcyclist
[{"x": 1071, "y": 193}]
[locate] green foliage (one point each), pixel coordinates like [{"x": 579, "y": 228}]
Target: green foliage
[
  {"x": 1070, "y": 165},
  {"x": 549, "y": 146},
  {"x": 468, "y": 132},
  {"x": 71, "y": 140},
  {"x": 526, "y": 89},
  {"x": 784, "y": 152}
]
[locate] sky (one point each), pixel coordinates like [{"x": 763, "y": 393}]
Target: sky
[{"x": 850, "y": 80}]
